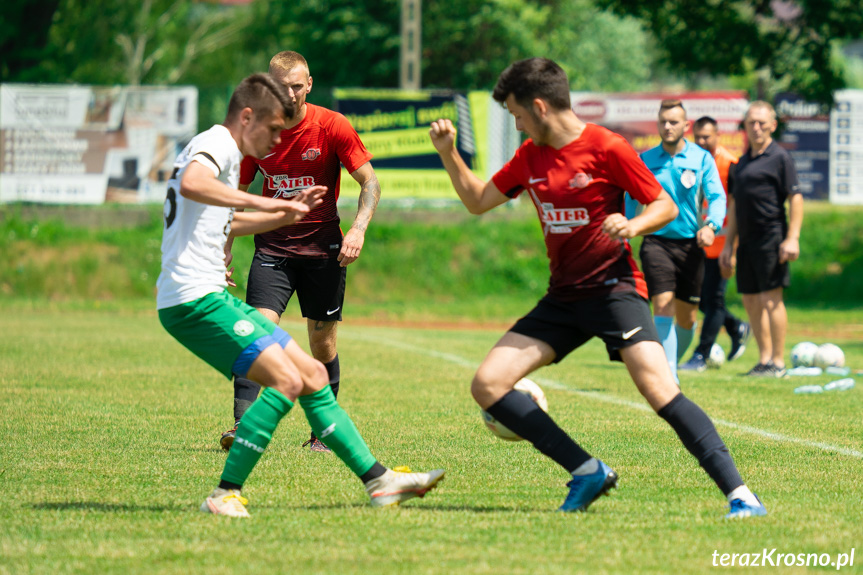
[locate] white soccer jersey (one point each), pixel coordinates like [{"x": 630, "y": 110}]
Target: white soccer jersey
[{"x": 193, "y": 240}]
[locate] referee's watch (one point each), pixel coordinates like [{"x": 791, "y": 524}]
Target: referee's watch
[{"x": 713, "y": 227}]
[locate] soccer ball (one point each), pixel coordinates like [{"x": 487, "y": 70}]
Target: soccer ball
[
  {"x": 530, "y": 389},
  {"x": 829, "y": 355},
  {"x": 803, "y": 354},
  {"x": 716, "y": 357}
]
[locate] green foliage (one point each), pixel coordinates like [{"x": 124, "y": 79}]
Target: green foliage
[
  {"x": 793, "y": 40},
  {"x": 50, "y": 260},
  {"x": 414, "y": 264},
  {"x": 600, "y": 51},
  {"x": 348, "y": 43},
  {"x": 24, "y": 38},
  {"x": 117, "y": 42},
  {"x": 830, "y": 267}
]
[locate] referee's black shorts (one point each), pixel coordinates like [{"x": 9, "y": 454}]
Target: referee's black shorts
[
  {"x": 619, "y": 319},
  {"x": 758, "y": 267},
  {"x": 672, "y": 265}
]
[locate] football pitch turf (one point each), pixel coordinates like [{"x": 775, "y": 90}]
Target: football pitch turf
[{"x": 110, "y": 444}]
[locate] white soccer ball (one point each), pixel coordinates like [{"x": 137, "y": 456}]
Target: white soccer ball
[
  {"x": 530, "y": 389},
  {"x": 716, "y": 357},
  {"x": 803, "y": 354},
  {"x": 829, "y": 355}
]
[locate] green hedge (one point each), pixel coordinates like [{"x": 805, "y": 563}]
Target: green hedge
[{"x": 435, "y": 262}]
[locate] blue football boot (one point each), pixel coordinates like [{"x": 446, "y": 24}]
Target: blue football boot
[
  {"x": 739, "y": 508},
  {"x": 585, "y": 489}
]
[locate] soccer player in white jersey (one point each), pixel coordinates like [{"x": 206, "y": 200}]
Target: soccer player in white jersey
[{"x": 195, "y": 307}]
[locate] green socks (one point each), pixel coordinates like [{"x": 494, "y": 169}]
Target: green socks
[
  {"x": 335, "y": 429},
  {"x": 328, "y": 420},
  {"x": 254, "y": 434}
]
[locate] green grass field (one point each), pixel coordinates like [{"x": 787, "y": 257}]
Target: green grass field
[{"x": 110, "y": 434}]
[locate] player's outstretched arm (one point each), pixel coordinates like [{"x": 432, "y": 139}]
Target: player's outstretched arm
[
  {"x": 293, "y": 210},
  {"x": 370, "y": 195},
  {"x": 477, "y": 196},
  {"x": 201, "y": 185}
]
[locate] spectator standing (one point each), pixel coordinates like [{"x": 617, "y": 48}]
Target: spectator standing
[{"x": 769, "y": 238}]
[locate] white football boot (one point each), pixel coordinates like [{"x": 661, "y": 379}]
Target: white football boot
[
  {"x": 226, "y": 502},
  {"x": 399, "y": 484}
]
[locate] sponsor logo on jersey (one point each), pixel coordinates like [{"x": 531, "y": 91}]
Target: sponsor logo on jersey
[
  {"x": 311, "y": 154},
  {"x": 580, "y": 180},
  {"x": 287, "y": 187},
  {"x": 562, "y": 220}
]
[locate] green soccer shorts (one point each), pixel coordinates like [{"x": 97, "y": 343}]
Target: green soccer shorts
[{"x": 222, "y": 330}]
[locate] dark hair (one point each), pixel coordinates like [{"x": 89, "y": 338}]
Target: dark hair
[
  {"x": 263, "y": 94},
  {"x": 534, "y": 78},
  {"x": 703, "y": 121},
  {"x": 669, "y": 104}
]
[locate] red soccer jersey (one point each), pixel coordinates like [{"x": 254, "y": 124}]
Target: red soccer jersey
[
  {"x": 308, "y": 155},
  {"x": 574, "y": 189}
]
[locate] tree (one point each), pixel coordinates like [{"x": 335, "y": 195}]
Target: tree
[
  {"x": 792, "y": 39},
  {"x": 114, "y": 41},
  {"x": 24, "y": 31},
  {"x": 348, "y": 43}
]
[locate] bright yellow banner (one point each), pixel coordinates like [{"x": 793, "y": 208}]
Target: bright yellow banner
[{"x": 398, "y": 143}]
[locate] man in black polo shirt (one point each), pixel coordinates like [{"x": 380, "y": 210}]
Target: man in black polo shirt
[{"x": 758, "y": 188}]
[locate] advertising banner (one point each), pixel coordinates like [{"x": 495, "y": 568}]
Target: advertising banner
[
  {"x": 90, "y": 145},
  {"x": 634, "y": 115},
  {"x": 806, "y": 136},
  {"x": 394, "y": 126},
  {"x": 846, "y": 148}
]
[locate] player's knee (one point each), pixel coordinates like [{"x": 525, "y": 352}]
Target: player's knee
[
  {"x": 485, "y": 384},
  {"x": 478, "y": 387},
  {"x": 317, "y": 377},
  {"x": 289, "y": 385}
]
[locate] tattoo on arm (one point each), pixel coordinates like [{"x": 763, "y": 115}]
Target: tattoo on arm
[{"x": 370, "y": 195}]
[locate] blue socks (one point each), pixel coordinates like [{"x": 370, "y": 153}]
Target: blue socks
[{"x": 668, "y": 339}]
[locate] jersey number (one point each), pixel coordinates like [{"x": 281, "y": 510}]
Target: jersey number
[{"x": 170, "y": 209}]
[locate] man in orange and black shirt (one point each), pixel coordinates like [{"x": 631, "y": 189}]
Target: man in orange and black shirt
[{"x": 705, "y": 132}]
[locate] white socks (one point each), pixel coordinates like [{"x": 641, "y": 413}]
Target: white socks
[
  {"x": 588, "y": 467},
  {"x": 743, "y": 493}
]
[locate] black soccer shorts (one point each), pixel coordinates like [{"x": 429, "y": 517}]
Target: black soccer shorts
[
  {"x": 758, "y": 267},
  {"x": 673, "y": 266},
  {"x": 319, "y": 283},
  {"x": 619, "y": 319}
]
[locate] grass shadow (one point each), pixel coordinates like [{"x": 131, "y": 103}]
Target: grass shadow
[{"x": 105, "y": 507}]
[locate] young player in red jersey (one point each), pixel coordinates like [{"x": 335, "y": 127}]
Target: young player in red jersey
[
  {"x": 310, "y": 257},
  {"x": 576, "y": 174}
]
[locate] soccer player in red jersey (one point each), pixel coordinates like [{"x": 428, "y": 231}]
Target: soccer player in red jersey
[
  {"x": 576, "y": 174},
  {"x": 310, "y": 257}
]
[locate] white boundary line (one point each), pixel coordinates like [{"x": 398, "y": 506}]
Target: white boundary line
[{"x": 606, "y": 398}]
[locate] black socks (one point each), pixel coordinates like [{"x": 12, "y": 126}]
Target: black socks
[
  {"x": 245, "y": 394},
  {"x": 700, "y": 437},
  {"x": 524, "y": 417}
]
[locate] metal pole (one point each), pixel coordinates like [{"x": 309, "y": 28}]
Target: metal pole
[{"x": 410, "y": 68}]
